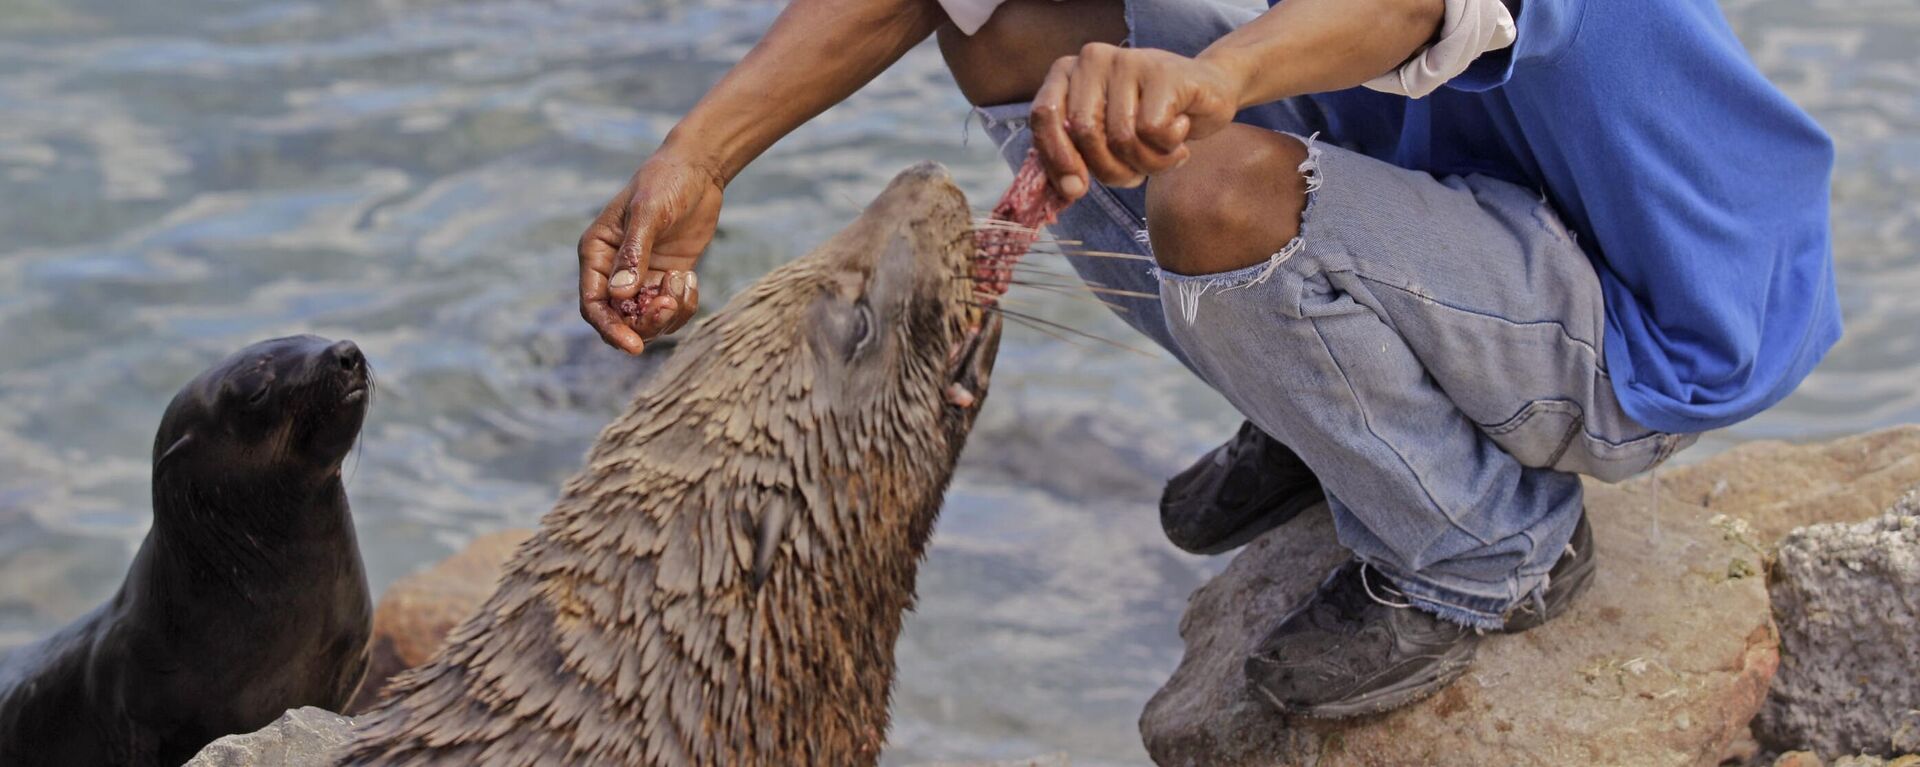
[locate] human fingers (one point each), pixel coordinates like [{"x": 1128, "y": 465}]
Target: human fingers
[
  {"x": 684, "y": 286},
  {"x": 1125, "y": 82},
  {"x": 1086, "y": 105},
  {"x": 1047, "y": 120},
  {"x": 597, "y": 295}
]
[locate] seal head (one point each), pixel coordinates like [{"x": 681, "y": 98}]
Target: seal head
[
  {"x": 287, "y": 409},
  {"x": 724, "y": 581}
]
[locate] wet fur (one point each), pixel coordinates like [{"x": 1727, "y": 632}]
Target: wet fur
[
  {"x": 246, "y": 598},
  {"x": 724, "y": 582}
]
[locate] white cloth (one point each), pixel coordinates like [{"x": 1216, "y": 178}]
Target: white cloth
[
  {"x": 969, "y": 15},
  {"x": 1471, "y": 27}
]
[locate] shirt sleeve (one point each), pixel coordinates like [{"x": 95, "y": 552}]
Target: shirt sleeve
[
  {"x": 1545, "y": 30},
  {"x": 1470, "y": 29}
]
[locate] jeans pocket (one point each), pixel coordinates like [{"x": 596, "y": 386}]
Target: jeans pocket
[
  {"x": 1540, "y": 434},
  {"x": 1553, "y": 434}
]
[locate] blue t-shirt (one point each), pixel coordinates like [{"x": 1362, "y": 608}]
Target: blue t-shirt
[{"x": 1698, "y": 190}]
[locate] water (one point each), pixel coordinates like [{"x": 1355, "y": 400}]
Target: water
[{"x": 179, "y": 179}]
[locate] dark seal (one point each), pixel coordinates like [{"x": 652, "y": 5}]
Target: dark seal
[
  {"x": 724, "y": 581},
  {"x": 247, "y": 596}
]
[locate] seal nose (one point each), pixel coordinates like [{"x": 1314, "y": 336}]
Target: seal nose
[{"x": 348, "y": 356}]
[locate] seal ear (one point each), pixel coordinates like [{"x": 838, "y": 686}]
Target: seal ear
[
  {"x": 179, "y": 446},
  {"x": 770, "y": 530}
]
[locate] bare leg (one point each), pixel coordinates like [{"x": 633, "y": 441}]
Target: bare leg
[
  {"x": 1005, "y": 60},
  {"x": 1236, "y": 202}
]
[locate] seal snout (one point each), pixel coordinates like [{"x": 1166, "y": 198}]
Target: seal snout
[{"x": 352, "y": 364}]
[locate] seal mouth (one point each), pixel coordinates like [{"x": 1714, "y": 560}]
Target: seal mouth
[
  {"x": 356, "y": 394},
  {"x": 970, "y": 366}
]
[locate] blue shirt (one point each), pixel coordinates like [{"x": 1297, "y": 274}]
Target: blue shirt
[{"x": 1697, "y": 189}]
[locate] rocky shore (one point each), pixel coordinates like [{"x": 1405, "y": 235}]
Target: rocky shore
[{"x": 1761, "y": 607}]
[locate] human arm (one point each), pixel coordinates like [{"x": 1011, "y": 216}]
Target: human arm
[
  {"x": 817, "y": 53},
  {"x": 1120, "y": 114}
]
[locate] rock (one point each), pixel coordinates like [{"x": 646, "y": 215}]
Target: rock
[
  {"x": 1799, "y": 759},
  {"x": 1844, "y": 597},
  {"x": 307, "y": 737},
  {"x": 302, "y": 737},
  {"x": 1874, "y": 761},
  {"x": 418, "y": 611},
  {"x": 1051, "y": 760},
  {"x": 1663, "y": 662},
  {"x": 1778, "y": 486}
]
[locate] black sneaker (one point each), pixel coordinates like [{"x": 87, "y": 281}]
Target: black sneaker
[
  {"x": 1569, "y": 578},
  {"x": 1237, "y": 491},
  {"x": 1357, "y": 647}
]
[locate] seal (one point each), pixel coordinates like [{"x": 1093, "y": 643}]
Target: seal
[
  {"x": 723, "y": 583},
  {"x": 247, "y": 596}
]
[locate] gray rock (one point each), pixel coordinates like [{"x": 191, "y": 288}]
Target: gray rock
[
  {"x": 1847, "y": 600},
  {"x": 302, "y": 737},
  {"x": 1051, "y": 760},
  {"x": 1663, "y": 662},
  {"x": 307, "y": 737}
]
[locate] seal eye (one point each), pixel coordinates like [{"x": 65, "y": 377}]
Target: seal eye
[
  {"x": 860, "y": 330},
  {"x": 251, "y": 391}
]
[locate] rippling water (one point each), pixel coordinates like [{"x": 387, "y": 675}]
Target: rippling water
[{"x": 179, "y": 179}]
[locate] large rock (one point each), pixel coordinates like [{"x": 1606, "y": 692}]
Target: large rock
[
  {"x": 308, "y": 737},
  {"x": 302, "y": 737},
  {"x": 1777, "y": 486},
  {"x": 418, "y": 611},
  {"x": 1847, "y": 598},
  {"x": 1662, "y": 663}
]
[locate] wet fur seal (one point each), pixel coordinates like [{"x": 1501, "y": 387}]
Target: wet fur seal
[
  {"x": 724, "y": 581},
  {"x": 246, "y": 598}
]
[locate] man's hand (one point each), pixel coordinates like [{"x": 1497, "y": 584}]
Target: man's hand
[
  {"x": 1126, "y": 113},
  {"x": 662, "y": 221}
]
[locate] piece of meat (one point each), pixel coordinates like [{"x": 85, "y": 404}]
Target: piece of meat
[{"x": 1029, "y": 203}]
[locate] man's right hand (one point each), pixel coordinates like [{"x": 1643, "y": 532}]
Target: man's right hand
[{"x": 662, "y": 221}]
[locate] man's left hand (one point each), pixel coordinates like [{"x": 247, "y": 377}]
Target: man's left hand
[{"x": 1122, "y": 114}]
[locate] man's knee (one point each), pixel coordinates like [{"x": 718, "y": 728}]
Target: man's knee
[
  {"x": 1236, "y": 202},
  {"x": 1005, "y": 61}
]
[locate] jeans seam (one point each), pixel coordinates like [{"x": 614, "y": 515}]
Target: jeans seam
[
  {"x": 1561, "y": 326},
  {"x": 1367, "y": 420}
]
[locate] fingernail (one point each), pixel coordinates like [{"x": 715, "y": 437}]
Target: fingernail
[
  {"x": 677, "y": 284},
  {"x": 622, "y": 278},
  {"x": 1072, "y": 186},
  {"x": 693, "y": 283},
  {"x": 654, "y": 278}
]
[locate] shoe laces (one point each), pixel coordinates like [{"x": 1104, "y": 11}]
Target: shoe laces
[{"x": 1387, "y": 587}]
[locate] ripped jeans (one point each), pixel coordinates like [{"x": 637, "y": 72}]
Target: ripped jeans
[{"x": 1430, "y": 347}]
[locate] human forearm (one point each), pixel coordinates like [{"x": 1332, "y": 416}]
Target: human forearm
[
  {"x": 817, "y": 53},
  {"x": 1315, "y": 46}
]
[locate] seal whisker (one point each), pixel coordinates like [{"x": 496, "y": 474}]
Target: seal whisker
[
  {"x": 1066, "y": 328},
  {"x": 1100, "y": 289},
  {"x": 1069, "y": 292},
  {"x": 1092, "y": 253},
  {"x": 1023, "y": 269}
]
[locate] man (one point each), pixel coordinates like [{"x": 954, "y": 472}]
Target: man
[{"x": 1445, "y": 255}]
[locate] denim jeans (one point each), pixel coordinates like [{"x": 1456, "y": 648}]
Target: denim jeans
[{"x": 1430, "y": 347}]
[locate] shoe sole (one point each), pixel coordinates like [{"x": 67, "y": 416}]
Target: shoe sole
[
  {"x": 1406, "y": 693},
  {"x": 1260, "y": 525}
]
